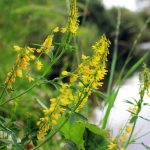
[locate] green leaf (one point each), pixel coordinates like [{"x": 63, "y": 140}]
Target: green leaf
[
  {"x": 133, "y": 119},
  {"x": 74, "y": 132},
  {"x": 144, "y": 118},
  {"x": 55, "y": 84},
  {"x": 95, "y": 129},
  {"x": 40, "y": 103},
  {"x": 129, "y": 102},
  {"x": 147, "y": 147},
  {"x": 13, "y": 136},
  {"x": 136, "y": 65},
  {"x": 100, "y": 94},
  {"x": 66, "y": 107},
  {"x": 81, "y": 116},
  {"x": 146, "y": 104},
  {"x": 72, "y": 118}
]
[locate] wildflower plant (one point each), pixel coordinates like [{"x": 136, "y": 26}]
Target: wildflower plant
[{"x": 61, "y": 117}]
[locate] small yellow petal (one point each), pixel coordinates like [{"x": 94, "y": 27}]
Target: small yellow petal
[
  {"x": 56, "y": 29},
  {"x": 19, "y": 73},
  {"x": 65, "y": 73},
  {"x": 17, "y": 48}
]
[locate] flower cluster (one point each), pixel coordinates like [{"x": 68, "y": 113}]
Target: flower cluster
[
  {"x": 72, "y": 19},
  {"x": 117, "y": 142},
  {"x": 88, "y": 76},
  {"x": 22, "y": 61},
  {"x": 144, "y": 78}
]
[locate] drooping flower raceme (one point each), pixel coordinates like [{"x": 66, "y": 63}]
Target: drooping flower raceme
[
  {"x": 22, "y": 61},
  {"x": 88, "y": 76}
]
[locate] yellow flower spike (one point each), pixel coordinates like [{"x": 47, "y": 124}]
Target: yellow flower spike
[
  {"x": 17, "y": 48},
  {"x": 48, "y": 43},
  {"x": 39, "y": 65},
  {"x": 88, "y": 74},
  {"x": 65, "y": 73},
  {"x": 55, "y": 30},
  {"x": 19, "y": 73},
  {"x": 73, "y": 15},
  {"x": 63, "y": 30}
]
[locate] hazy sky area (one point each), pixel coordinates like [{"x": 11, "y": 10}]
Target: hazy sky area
[{"x": 130, "y": 4}]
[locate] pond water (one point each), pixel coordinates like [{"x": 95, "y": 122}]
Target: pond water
[{"x": 119, "y": 114}]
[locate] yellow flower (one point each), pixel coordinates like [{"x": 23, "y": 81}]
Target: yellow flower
[
  {"x": 30, "y": 78},
  {"x": 84, "y": 57},
  {"x": 65, "y": 73},
  {"x": 112, "y": 146},
  {"x": 19, "y": 73},
  {"x": 38, "y": 50},
  {"x": 48, "y": 43},
  {"x": 32, "y": 57},
  {"x": 39, "y": 65},
  {"x": 17, "y": 48},
  {"x": 54, "y": 122},
  {"x": 128, "y": 128},
  {"x": 56, "y": 29},
  {"x": 22, "y": 61},
  {"x": 63, "y": 30}
]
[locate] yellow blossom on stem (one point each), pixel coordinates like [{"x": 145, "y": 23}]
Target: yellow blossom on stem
[
  {"x": 30, "y": 78},
  {"x": 38, "y": 65},
  {"x": 128, "y": 128},
  {"x": 112, "y": 146},
  {"x": 17, "y": 48},
  {"x": 72, "y": 20},
  {"x": 63, "y": 30},
  {"x": 48, "y": 43},
  {"x": 65, "y": 73},
  {"x": 56, "y": 29},
  {"x": 87, "y": 77},
  {"x": 22, "y": 61},
  {"x": 19, "y": 73}
]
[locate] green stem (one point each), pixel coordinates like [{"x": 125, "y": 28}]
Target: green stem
[
  {"x": 115, "y": 53},
  {"x": 11, "y": 99},
  {"x": 132, "y": 49}
]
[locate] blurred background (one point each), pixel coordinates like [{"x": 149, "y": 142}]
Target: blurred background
[{"x": 28, "y": 22}]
